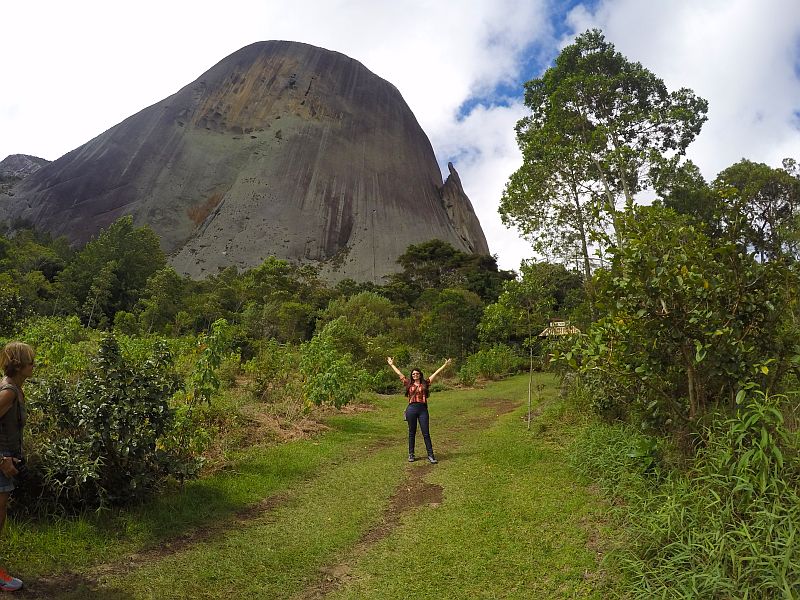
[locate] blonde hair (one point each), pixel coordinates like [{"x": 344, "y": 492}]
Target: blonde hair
[{"x": 14, "y": 356}]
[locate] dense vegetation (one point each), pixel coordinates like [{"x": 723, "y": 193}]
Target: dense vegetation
[
  {"x": 693, "y": 348},
  {"x": 132, "y": 357}
]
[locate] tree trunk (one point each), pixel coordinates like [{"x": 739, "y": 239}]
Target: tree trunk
[
  {"x": 587, "y": 265},
  {"x": 530, "y": 367},
  {"x": 530, "y": 381},
  {"x": 610, "y": 203},
  {"x": 691, "y": 377}
]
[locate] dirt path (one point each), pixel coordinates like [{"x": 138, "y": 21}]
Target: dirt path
[{"x": 413, "y": 492}]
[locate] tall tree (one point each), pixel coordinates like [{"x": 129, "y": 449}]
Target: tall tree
[
  {"x": 435, "y": 264},
  {"x": 137, "y": 254},
  {"x": 600, "y": 127},
  {"x": 161, "y": 299},
  {"x": 759, "y": 207}
]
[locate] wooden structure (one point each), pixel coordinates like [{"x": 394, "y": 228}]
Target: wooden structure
[{"x": 557, "y": 328}]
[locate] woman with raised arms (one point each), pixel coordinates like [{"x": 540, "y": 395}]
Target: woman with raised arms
[{"x": 417, "y": 392}]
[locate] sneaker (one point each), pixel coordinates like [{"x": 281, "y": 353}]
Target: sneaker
[
  {"x": 9, "y": 583},
  {"x": 411, "y": 457},
  {"x": 432, "y": 459}
]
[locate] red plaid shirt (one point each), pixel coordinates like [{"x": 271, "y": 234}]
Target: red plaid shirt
[{"x": 416, "y": 391}]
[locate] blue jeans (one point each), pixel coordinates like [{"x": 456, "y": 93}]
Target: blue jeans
[{"x": 418, "y": 411}]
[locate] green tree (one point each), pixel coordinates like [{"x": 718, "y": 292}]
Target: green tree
[
  {"x": 281, "y": 300},
  {"x": 685, "y": 190},
  {"x": 12, "y": 306},
  {"x": 368, "y": 312},
  {"x": 447, "y": 326},
  {"x": 758, "y": 207},
  {"x": 330, "y": 376},
  {"x": 161, "y": 300},
  {"x": 600, "y": 128},
  {"x": 137, "y": 254},
  {"x": 373, "y": 328},
  {"x": 542, "y": 292},
  {"x": 97, "y": 308},
  {"x": 688, "y": 322},
  {"x": 435, "y": 264}
]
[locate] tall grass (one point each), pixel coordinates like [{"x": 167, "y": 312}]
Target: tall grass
[{"x": 726, "y": 527}]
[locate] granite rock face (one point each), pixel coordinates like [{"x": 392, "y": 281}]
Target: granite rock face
[
  {"x": 280, "y": 149},
  {"x": 20, "y": 166}
]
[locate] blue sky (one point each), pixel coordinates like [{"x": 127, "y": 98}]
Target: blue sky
[{"x": 73, "y": 69}]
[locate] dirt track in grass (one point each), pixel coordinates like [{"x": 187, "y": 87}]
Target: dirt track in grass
[{"x": 413, "y": 492}]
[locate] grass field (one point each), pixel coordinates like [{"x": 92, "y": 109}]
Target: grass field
[{"x": 344, "y": 515}]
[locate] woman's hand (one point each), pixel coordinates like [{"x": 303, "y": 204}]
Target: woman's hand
[
  {"x": 390, "y": 360},
  {"x": 7, "y": 466}
]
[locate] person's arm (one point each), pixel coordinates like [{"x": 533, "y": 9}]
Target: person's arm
[
  {"x": 440, "y": 369},
  {"x": 390, "y": 360},
  {"x": 7, "y": 397}
]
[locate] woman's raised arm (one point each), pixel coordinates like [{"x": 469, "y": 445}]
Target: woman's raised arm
[
  {"x": 440, "y": 369},
  {"x": 390, "y": 360}
]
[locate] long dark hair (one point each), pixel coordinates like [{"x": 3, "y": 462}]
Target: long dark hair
[{"x": 423, "y": 382}]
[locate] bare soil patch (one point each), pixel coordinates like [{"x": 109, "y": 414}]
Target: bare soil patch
[{"x": 80, "y": 586}]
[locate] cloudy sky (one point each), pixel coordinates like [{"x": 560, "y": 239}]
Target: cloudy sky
[{"x": 73, "y": 69}]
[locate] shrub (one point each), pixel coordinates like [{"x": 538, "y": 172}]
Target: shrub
[
  {"x": 725, "y": 527},
  {"x": 229, "y": 367},
  {"x": 211, "y": 347},
  {"x": 275, "y": 372},
  {"x": 492, "y": 363},
  {"x": 100, "y": 441},
  {"x": 60, "y": 342},
  {"x": 330, "y": 377},
  {"x": 688, "y": 319}
]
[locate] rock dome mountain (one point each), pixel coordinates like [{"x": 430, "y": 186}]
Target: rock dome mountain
[{"x": 282, "y": 149}]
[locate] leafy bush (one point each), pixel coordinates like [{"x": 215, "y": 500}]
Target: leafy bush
[
  {"x": 203, "y": 381},
  {"x": 274, "y": 372},
  {"x": 60, "y": 342},
  {"x": 492, "y": 363},
  {"x": 330, "y": 377},
  {"x": 100, "y": 441},
  {"x": 384, "y": 381},
  {"x": 447, "y": 325},
  {"x": 688, "y": 320},
  {"x": 229, "y": 367}
]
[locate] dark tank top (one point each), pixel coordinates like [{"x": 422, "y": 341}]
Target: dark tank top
[{"x": 12, "y": 422}]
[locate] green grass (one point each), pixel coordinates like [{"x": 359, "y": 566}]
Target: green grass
[
  {"x": 514, "y": 521},
  {"x": 513, "y": 524},
  {"x": 694, "y": 531}
]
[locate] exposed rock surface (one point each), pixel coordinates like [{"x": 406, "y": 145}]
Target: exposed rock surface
[
  {"x": 21, "y": 165},
  {"x": 16, "y": 167},
  {"x": 280, "y": 149}
]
